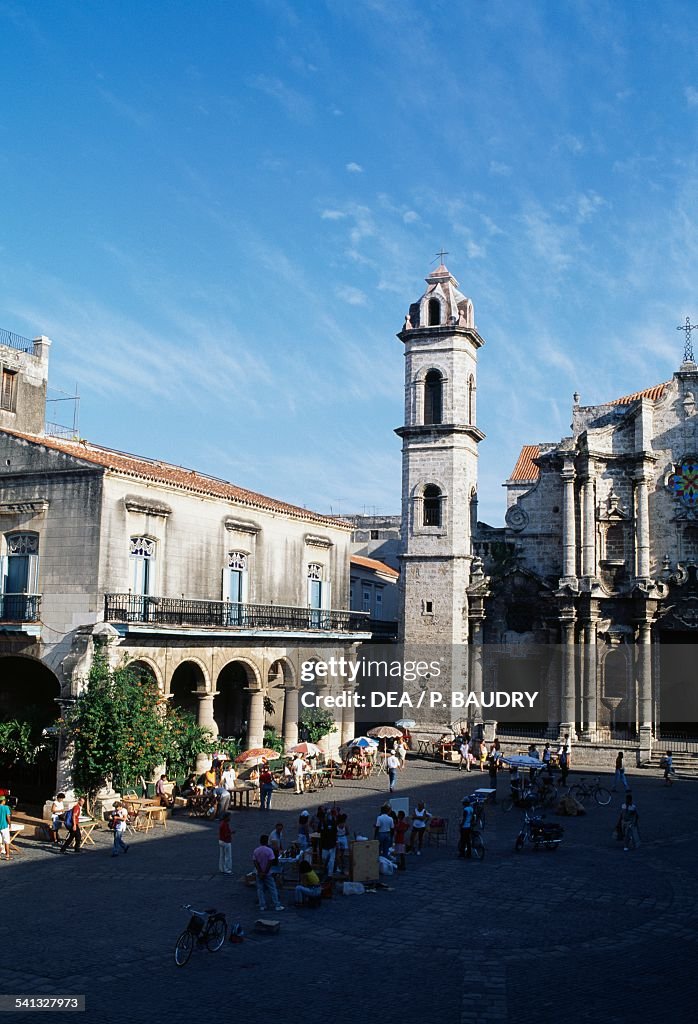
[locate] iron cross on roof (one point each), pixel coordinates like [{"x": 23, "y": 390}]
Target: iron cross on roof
[
  {"x": 440, "y": 256},
  {"x": 688, "y": 346}
]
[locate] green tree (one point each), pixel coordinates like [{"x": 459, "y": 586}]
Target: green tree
[
  {"x": 121, "y": 730},
  {"x": 316, "y": 723},
  {"x": 19, "y": 744}
]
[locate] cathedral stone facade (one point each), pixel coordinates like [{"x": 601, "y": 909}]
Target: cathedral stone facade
[{"x": 589, "y": 593}]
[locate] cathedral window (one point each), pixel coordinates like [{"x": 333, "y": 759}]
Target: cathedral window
[
  {"x": 432, "y": 505},
  {"x": 433, "y": 397},
  {"x": 434, "y": 313}
]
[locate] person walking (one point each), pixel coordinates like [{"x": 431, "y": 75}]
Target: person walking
[
  {"x": 263, "y": 859},
  {"x": 465, "y": 841},
  {"x": 563, "y": 760},
  {"x": 225, "y": 845},
  {"x": 5, "y": 823},
  {"x": 298, "y": 769},
  {"x": 628, "y": 822},
  {"x": 392, "y": 765},
  {"x": 266, "y": 787},
  {"x": 669, "y": 772},
  {"x": 493, "y": 767},
  {"x": 72, "y": 823},
  {"x": 119, "y": 819},
  {"x": 420, "y": 820},
  {"x": 328, "y": 842},
  {"x": 620, "y": 773}
]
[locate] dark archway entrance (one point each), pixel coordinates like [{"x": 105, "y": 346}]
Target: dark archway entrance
[
  {"x": 676, "y": 696},
  {"x": 28, "y": 693},
  {"x": 187, "y": 680},
  {"x": 143, "y": 671},
  {"x": 231, "y": 705}
]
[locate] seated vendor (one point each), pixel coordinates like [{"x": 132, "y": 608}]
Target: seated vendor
[
  {"x": 309, "y": 884},
  {"x": 163, "y": 792}
]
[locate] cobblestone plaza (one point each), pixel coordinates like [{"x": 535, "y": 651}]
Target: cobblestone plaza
[{"x": 584, "y": 933}]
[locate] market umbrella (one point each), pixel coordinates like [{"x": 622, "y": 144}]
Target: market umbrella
[
  {"x": 362, "y": 741},
  {"x": 258, "y": 752},
  {"x": 309, "y": 749},
  {"x": 522, "y": 761},
  {"x": 406, "y": 723},
  {"x": 385, "y": 732}
]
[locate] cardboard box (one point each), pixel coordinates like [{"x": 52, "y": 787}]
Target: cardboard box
[{"x": 363, "y": 861}]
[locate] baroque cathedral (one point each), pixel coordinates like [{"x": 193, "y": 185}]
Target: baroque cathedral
[{"x": 589, "y": 594}]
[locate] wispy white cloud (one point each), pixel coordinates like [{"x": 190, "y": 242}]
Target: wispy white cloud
[
  {"x": 353, "y": 296},
  {"x": 500, "y": 169},
  {"x": 354, "y": 168},
  {"x": 138, "y": 117},
  {"x": 691, "y": 95},
  {"x": 410, "y": 216},
  {"x": 295, "y": 104},
  {"x": 333, "y": 214}
]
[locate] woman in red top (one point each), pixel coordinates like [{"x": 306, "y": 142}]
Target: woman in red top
[
  {"x": 401, "y": 828},
  {"x": 225, "y": 845},
  {"x": 266, "y": 787}
]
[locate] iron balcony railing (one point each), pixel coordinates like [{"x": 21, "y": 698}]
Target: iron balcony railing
[
  {"x": 15, "y": 341},
  {"x": 173, "y": 611},
  {"x": 20, "y": 607}
]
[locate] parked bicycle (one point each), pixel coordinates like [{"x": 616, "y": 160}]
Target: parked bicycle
[
  {"x": 585, "y": 791},
  {"x": 206, "y": 928},
  {"x": 477, "y": 843}
]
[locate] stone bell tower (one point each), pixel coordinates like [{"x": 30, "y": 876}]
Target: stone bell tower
[{"x": 439, "y": 466}]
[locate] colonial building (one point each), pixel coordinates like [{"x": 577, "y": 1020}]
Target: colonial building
[
  {"x": 589, "y": 594},
  {"x": 218, "y": 592}
]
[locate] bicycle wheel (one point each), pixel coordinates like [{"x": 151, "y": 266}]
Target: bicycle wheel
[
  {"x": 184, "y": 947},
  {"x": 602, "y": 796},
  {"x": 478, "y": 846},
  {"x": 580, "y": 793},
  {"x": 215, "y": 936}
]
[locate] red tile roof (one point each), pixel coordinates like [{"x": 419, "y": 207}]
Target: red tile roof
[
  {"x": 140, "y": 467},
  {"x": 373, "y": 563},
  {"x": 653, "y": 394},
  {"x": 525, "y": 469}
]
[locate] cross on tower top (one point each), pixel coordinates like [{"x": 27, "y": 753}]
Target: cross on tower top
[
  {"x": 688, "y": 345},
  {"x": 440, "y": 255}
]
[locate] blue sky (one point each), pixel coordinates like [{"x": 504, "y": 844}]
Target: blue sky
[{"x": 220, "y": 212}]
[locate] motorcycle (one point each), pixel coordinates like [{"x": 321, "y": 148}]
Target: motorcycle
[{"x": 541, "y": 834}]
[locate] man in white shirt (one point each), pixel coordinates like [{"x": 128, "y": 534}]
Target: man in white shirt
[
  {"x": 392, "y": 764},
  {"x": 298, "y": 769},
  {"x": 384, "y": 830}
]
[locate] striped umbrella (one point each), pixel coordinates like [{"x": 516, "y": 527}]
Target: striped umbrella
[{"x": 258, "y": 752}]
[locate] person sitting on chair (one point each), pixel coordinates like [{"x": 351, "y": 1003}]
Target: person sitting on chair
[{"x": 308, "y": 884}]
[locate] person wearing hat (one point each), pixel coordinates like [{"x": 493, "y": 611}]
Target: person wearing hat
[
  {"x": 465, "y": 843},
  {"x": 303, "y": 839}
]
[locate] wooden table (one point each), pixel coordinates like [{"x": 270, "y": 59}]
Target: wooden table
[
  {"x": 14, "y": 835},
  {"x": 153, "y": 814},
  {"x": 241, "y": 793},
  {"x": 423, "y": 746},
  {"x": 87, "y": 827}
]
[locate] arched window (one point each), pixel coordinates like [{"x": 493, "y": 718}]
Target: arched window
[
  {"x": 471, "y": 399},
  {"x": 433, "y": 397},
  {"x": 615, "y": 543},
  {"x": 432, "y": 506},
  {"x": 434, "y": 313}
]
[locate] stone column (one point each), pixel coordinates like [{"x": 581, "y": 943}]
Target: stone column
[
  {"x": 569, "y": 553},
  {"x": 589, "y": 531},
  {"x": 644, "y": 686},
  {"x": 642, "y": 525},
  {"x": 567, "y": 725},
  {"x": 290, "y": 727},
  {"x": 348, "y": 726},
  {"x": 589, "y": 695},
  {"x": 476, "y": 667},
  {"x": 206, "y": 720},
  {"x": 255, "y": 725}
]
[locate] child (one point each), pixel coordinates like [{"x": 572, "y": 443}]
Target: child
[
  {"x": 402, "y": 827},
  {"x": 342, "y": 841}
]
